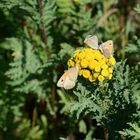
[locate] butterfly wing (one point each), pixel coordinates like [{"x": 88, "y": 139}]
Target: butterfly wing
[
  {"x": 68, "y": 79},
  {"x": 107, "y": 48},
  {"x": 71, "y": 78},
  {"x": 106, "y": 52},
  {"x": 69, "y": 84},
  {"x": 62, "y": 79},
  {"x": 73, "y": 73},
  {"x": 92, "y": 41}
]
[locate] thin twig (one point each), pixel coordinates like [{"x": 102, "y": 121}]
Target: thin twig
[
  {"x": 42, "y": 27},
  {"x": 34, "y": 117}
]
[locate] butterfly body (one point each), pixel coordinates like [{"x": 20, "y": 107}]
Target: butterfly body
[
  {"x": 92, "y": 41},
  {"x": 68, "y": 79},
  {"x": 107, "y": 48}
]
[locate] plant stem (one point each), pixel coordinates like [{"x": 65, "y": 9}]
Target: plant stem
[
  {"x": 42, "y": 27},
  {"x": 34, "y": 117}
]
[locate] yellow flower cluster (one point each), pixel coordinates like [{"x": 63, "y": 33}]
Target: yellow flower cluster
[{"x": 93, "y": 64}]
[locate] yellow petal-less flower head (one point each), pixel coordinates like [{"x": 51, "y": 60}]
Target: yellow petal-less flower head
[
  {"x": 105, "y": 60},
  {"x": 104, "y": 66},
  {"x": 101, "y": 78},
  {"x": 105, "y": 72},
  {"x": 95, "y": 75},
  {"x": 84, "y": 63},
  {"x": 86, "y": 73},
  {"x": 110, "y": 70},
  {"x": 101, "y": 62},
  {"x": 91, "y": 78},
  {"x": 98, "y": 55},
  {"x": 87, "y": 50},
  {"x": 110, "y": 76},
  {"x": 70, "y": 63},
  {"x": 90, "y": 56},
  {"x": 82, "y": 55},
  {"x": 112, "y": 61},
  {"x": 93, "y": 65},
  {"x": 97, "y": 69},
  {"x": 76, "y": 54},
  {"x": 78, "y": 63},
  {"x": 80, "y": 72}
]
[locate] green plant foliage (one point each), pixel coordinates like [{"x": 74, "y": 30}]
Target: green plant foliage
[
  {"x": 133, "y": 132},
  {"x": 85, "y": 103},
  {"x": 108, "y": 100},
  {"x": 137, "y": 8},
  {"x": 28, "y": 133}
]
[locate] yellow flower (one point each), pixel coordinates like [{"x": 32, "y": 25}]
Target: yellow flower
[
  {"x": 112, "y": 60},
  {"x": 80, "y": 72},
  {"x": 87, "y": 50},
  {"x": 105, "y": 72},
  {"x": 91, "y": 78},
  {"x": 84, "y": 63},
  {"x": 95, "y": 75},
  {"x": 77, "y": 59},
  {"x": 101, "y": 62},
  {"x": 97, "y": 69},
  {"x": 101, "y": 78},
  {"x": 70, "y": 63},
  {"x": 82, "y": 55},
  {"x": 86, "y": 73},
  {"x": 104, "y": 66},
  {"x": 110, "y": 76},
  {"x": 98, "y": 55},
  {"x": 92, "y": 64},
  {"x": 105, "y": 59},
  {"x": 90, "y": 56},
  {"x": 76, "y": 53},
  {"x": 110, "y": 70}
]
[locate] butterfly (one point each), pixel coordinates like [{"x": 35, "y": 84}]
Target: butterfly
[
  {"x": 107, "y": 48},
  {"x": 92, "y": 41},
  {"x": 68, "y": 79}
]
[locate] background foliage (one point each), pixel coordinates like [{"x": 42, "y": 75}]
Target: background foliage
[{"x": 37, "y": 37}]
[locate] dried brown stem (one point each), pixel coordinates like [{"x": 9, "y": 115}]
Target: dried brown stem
[
  {"x": 42, "y": 27},
  {"x": 106, "y": 15}
]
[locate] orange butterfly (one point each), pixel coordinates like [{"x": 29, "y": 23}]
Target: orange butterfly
[
  {"x": 107, "y": 48},
  {"x": 68, "y": 79}
]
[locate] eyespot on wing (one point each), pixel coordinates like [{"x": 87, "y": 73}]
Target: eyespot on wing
[{"x": 68, "y": 79}]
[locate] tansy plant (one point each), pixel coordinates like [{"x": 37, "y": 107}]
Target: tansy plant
[{"x": 93, "y": 65}]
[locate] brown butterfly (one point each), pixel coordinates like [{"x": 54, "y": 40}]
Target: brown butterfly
[
  {"x": 68, "y": 79},
  {"x": 92, "y": 41},
  {"x": 107, "y": 48}
]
